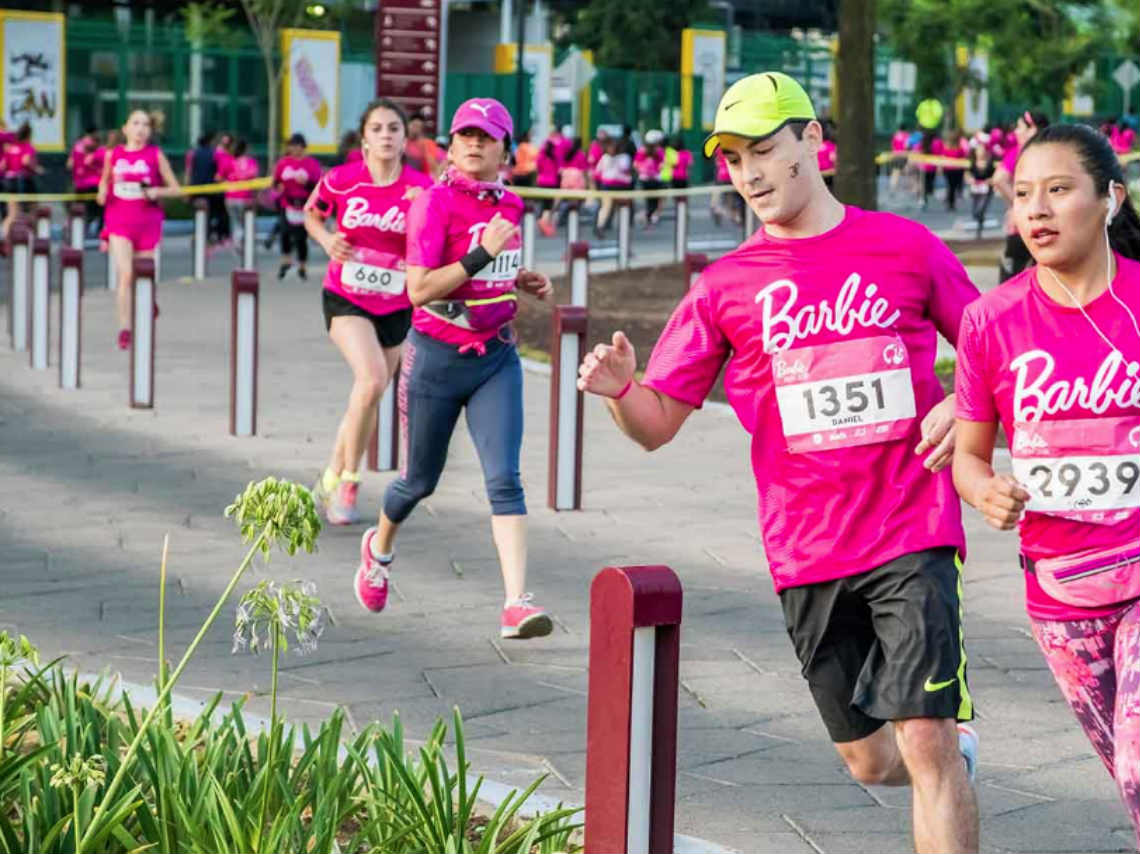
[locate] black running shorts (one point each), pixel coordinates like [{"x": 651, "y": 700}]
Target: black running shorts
[{"x": 884, "y": 645}]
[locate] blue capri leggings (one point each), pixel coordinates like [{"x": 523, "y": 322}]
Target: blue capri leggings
[{"x": 436, "y": 383}]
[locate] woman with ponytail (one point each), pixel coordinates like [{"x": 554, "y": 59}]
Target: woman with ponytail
[{"x": 1053, "y": 355}]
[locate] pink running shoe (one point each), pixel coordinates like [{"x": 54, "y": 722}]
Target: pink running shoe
[
  {"x": 371, "y": 585},
  {"x": 341, "y": 507},
  {"x": 523, "y": 619},
  {"x": 124, "y": 339}
]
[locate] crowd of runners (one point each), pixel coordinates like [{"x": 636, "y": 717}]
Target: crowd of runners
[{"x": 825, "y": 322}]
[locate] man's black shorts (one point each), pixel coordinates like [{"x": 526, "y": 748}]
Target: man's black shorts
[
  {"x": 391, "y": 329},
  {"x": 884, "y": 645}
]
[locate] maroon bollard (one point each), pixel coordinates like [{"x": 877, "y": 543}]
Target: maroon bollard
[
  {"x": 631, "y": 726},
  {"x": 39, "y": 321},
  {"x": 20, "y": 283},
  {"x": 567, "y": 347},
  {"x": 694, "y": 264},
  {"x": 43, "y": 223},
  {"x": 76, "y": 225},
  {"x": 579, "y": 272},
  {"x": 244, "y": 290},
  {"x": 70, "y": 316},
  {"x": 384, "y": 444},
  {"x": 143, "y": 297}
]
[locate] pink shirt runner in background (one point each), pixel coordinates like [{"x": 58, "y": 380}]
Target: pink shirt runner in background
[
  {"x": 898, "y": 141},
  {"x": 85, "y": 172},
  {"x": 594, "y": 154},
  {"x": 1024, "y": 359},
  {"x": 547, "y": 167},
  {"x": 19, "y": 159},
  {"x": 1122, "y": 140},
  {"x": 222, "y": 161},
  {"x": 444, "y": 224},
  {"x": 297, "y": 177},
  {"x": 242, "y": 168},
  {"x": 647, "y": 165},
  {"x": 830, "y": 343},
  {"x": 374, "y": 220},
  {"x": 683, "y": 165}
]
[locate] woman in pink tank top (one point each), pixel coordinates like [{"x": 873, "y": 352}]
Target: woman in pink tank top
[
  {"x": 364, "y": 298},
  {"x": 136, "y": 175}
]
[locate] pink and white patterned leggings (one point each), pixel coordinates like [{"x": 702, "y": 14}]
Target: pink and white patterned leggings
[{"x": 1097, "y": 667}]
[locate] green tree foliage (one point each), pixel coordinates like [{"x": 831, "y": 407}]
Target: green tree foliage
[
  {"x": 1034, "y": 46},
  {"x": 644, "y": 35}
]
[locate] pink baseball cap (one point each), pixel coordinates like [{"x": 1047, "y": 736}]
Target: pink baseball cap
[{"x": 487, "y": 114}]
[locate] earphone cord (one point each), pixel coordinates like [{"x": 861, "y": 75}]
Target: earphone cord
[{"x": 1112, "y": 293}]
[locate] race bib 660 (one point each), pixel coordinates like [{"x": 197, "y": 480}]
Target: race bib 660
[
  {"x": 367, "y": 278},
  {"x": 845, "y": 393}
]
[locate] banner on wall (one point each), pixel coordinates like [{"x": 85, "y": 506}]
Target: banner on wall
[
  {"x": 33, "y": 90},
  {"x": 702, "y": 55},
  {"x": 310, "y": 88}
]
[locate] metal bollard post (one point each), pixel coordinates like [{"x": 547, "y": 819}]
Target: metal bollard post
[
  {"x": 568, "y": 342},
  {"x": 384, "y": 444},
  {"x": 249, "y": 237},
  {"x": 20, "y": 284},
  {"x": 244, "y": 290},
  {"x": 750, "y": 222},
  {"x": 529, "y": 240},
  {"x": 625, "y": 230},
  {"x": 112, "y": 282},
  {"x": 70, "y": 316},
  {"x": 143, "y": 287},
  {"x": 573, "y": 223},
  {"x": 694, "y": 264},
  {"x": 43, "y": 223},
  {"x": 631, "y": 723},
  {"x": 76, "y": 225},
  {"x": 681, "y": 235},
  {"x": 200, "y": 237},
  {"x": 579, "y": 273},
  {"x": 41, "y": 304}
]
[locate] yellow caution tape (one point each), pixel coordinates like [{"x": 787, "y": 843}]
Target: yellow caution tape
[{"x": 190, "y": 190}]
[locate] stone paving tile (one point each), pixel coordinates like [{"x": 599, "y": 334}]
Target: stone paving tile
[{"x": 92, "y": 487}]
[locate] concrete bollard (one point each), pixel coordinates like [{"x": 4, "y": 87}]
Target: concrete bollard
[
  {"x": 40, "y": 304},
  {"x": 70, "y": 316},
  {"x": 76, "y": 225},
  {"x": 249, "y": 237},
  {"x": 567, "y": 346},
  {"x": 200, "y": 237},
  {"x": 681, "y": 232},
  {"x": 695, "y": 263},
  {"x": 20, "y": 284},
  {"x": 625, "y": 232},
  {"x": 384, "y": 444},
  {"x": 244, "y": 298},
  {"x": 573, "y": 223},
  {"x": 143, "y": 296},
  {"x": 43, "y": 223},
  {"x": 631, "y": 719},
  {"x": 579, "y": 273},
  {"x": 529, "y": 237}
]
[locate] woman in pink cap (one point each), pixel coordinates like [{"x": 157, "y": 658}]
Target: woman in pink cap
[
  {"x": 464, "y": 273},
  {"x": 135, "y": 176},
  {"x": 365, "y": 299}
]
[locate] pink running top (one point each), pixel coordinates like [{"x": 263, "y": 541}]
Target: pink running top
[
  {"x": 1042, "y": 369},
  {"x": 830, "y": 344},
  {"x": 374, "y": 220}
]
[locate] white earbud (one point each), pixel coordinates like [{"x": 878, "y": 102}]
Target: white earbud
[{"x": 1110, "y": 203}]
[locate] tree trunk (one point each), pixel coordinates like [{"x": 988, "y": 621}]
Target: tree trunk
[{"x": 855, "y": 75}]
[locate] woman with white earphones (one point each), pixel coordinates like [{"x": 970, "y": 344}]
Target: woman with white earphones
[{"x": 1053, "y": 356}]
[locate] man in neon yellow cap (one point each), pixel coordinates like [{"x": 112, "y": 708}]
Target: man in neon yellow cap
[{"x": 827, "y": 319}]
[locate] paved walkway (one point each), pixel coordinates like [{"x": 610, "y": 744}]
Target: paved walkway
[{"x": 91, "y": 487}]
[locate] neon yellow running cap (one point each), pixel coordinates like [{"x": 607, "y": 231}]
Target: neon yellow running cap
[{"x": 757, "y": 106}]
